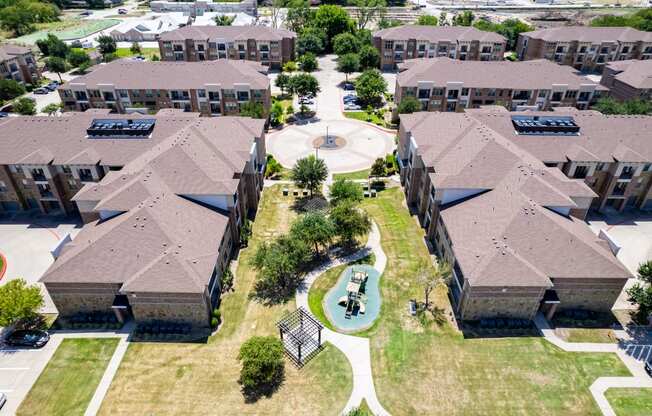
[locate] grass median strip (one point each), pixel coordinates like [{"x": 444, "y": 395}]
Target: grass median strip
[
  {"x": 630, "y": 402},
  {"x": 68, "y": 382}
]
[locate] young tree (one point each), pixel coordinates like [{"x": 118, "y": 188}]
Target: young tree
[
  {"x": 304, "y": 84},
  {"x": 345, "y": 190},
  {"x": 311, "y": 40},
  {"x": 308, "y": 62},
  {"x": 348, "y": 64},
  {"x": 282, "y": 81},
  {"x": 367, "y": 10},
  {"x": 251, "y": 109},
  {"x": 25, "y": 106},
  {"x": 289, "y": 110},
  {"x": 77, "y": 57},
  {"x": 315, "y": 228},
  {"x": 345, "y": 43},
  {"x": 333, "y": 20},
  {"x": 608, "y": 105},
  {"x": 431, "y": 277},
  {"x": 51, "y": 109},
  {"x": 369, "y": 57},
  {"x": 276, "y": 114},
  {"x": 409, "y": 105},
  {"x": 10, "y": 89},
  {"x": 135, "y": 48},
  {"x": 309, "y": 173},
  {"x": 275, "y": 8},
  {"x": 106, "y": 45},
  {"x": 642, "y": 296},
  {"x": 370, "y": 86},
  {"x": 19, "y": 302},
  {"x": 645, "y": 271},
  {"x": 463, "y": 19},
  {"x": 427, "y": 20},
  {"x": 378, "y": 169},
  {"x": 299, "y": 15},
  {"x": 224, "y": 20},
  {"x": 290, "y": 66},
  {"x": 350, "y": 222},
  {"x": 57, "y": 65},
  {"x": 263, "y": 366},
  {"x": 280, "y": 268}
]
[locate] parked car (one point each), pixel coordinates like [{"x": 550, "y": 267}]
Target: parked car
[
  {"x": 41, "y": 90},
  {"x": 86, "y": 13},
  {"x": 3, "y": 400},
  {"x": 352, "y": 107},
  {"x": 123, "y": 11},
  {"x": 648, "y": 367},
  {"x": 4, "y": 114},
  {"x": 33, "y": 338},
  {"x": 51, "y": 87},
  {"x": 349, "y": 87},
  {"x": 349, "y": 99},
  {"x": 306, "y": 101}
]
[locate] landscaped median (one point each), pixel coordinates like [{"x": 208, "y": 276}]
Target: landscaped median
[
  {"x": 68, "y": 382},
  {"x": 432, "y": 369},
  {"x": 176, "y": 378}
]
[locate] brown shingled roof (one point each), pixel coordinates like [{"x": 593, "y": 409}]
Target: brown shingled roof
[
  {"x": 525, "y": 75},
  {"x": 128, "y": 74},
  {"x": 590, "y": 34},
  {"x": 438, "y": 33},
  {"x": 636, "y": 73},
  {"x": 228, "y": 33}
]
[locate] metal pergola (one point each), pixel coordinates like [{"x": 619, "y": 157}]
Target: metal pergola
[{"x": 301, "y": 336}]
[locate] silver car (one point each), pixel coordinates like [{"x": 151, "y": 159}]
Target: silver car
[{"x": 3, "y": 400}]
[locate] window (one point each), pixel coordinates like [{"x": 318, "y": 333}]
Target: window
[
  {"x": 438, "y": 91},
  {"x": 123, "y": 93},
  {"x": 647, "y": 167},
  {"x": 452, "y": 94},
  {"x": 221, "y": 47},
  {"x": 201, "y": 93},
  {"x": 3, "y": 186},
  {"x": 200, "y": 48},
  {"x": 389, "y": 44},
  {"x": 465, "y": 91},
  {"x": 625, "y": 49},
  {"x": 604, "y": 50},
  {"x": 66, "y": 169},
  {"x": 214, "y": 95},
  {"x": 243, "y": 95},
  {"x": 571, "y": 94},
  {"x": 108, "y": 96},
  {"x": 627, "y": 172},
  {"x": 81, "y": 96},
  {"x": 424, "y": 93},
  {"x": 556, "y": 96},
  {"x": 580, "y": 172},
  {"x": 215, "y": 108},
  {"x": 619, "y": 189}
]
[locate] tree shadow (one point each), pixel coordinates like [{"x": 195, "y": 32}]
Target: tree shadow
[{"x": 253, "y": 394}]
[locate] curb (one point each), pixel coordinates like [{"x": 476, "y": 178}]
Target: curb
[{"x": 3, "y": 269}]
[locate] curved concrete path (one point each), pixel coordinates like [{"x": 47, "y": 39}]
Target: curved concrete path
[
  {"x": 356, "y": 349},
  {"x": 639, "y": 379}
]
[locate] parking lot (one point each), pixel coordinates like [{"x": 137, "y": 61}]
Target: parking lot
[{"x": 19, "y": 369}]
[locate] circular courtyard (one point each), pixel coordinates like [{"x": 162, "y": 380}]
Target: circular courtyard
[{"x": 345, "y": 145}]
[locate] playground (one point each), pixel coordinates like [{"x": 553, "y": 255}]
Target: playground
[{"x": 353, "y": 304}]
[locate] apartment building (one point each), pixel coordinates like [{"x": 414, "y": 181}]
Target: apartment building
[
  {"x": 270, "y": 47},
  {"x": 210, "y": 88},
  {"x": 502, "y": 197},
  {"x": 163, "y": 203},
  {"x": 587, "y": 49},
  {"x": 18, "y": 63},
  {"x": 628, "y": 80},
  {"x": 400, "y": 43},
  {"x": 444, "y": 84}
]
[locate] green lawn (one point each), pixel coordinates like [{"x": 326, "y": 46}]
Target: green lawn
[
  {"x": 323, "y": 284},
  {"x": 146, "y": 52},
  {"x": 432, "y": 369},
  {"x": 360, "y": 174},
  {"x": 68, "y": 382},
  {"x": 171, "y": 378},
  {"x": 363, "y": 116},
  {"x": 631, "y": 402}
]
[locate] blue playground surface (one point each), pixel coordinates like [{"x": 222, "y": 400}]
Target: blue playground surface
[{"x": 336, "y": 312}]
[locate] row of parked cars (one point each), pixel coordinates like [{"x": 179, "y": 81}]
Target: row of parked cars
[
  {"x": 350, "y": 98},
  {"x": 47, "y": 88}
]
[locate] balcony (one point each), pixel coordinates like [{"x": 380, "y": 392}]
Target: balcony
[
  {"x": 626, "y": 174},
  {"x": 39, "y": 176}
]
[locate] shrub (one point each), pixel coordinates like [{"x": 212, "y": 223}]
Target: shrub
[{"x": 263, "y": 367}]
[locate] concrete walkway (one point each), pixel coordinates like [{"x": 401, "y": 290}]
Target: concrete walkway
[
  {"x": 639, "y": 379},
  {"x": 356, "y": 349}
]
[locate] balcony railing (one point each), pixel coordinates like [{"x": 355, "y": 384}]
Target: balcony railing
[
  {"x": 39, "y": 177},
  {"x": 626, "y": 174}
]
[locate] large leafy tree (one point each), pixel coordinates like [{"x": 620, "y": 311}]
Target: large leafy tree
[
  {"x": 53, "y": 46},
  {"x": 641, "y": 294},
  {"x": 510, "y": 28},
  {"x": 464, "y": 18},
  {"x": 369, "y": 57},
  {"x": 333, "y": 20},
  {"x": 309, "y": 173},
  {"x": 57, "y": 65},
  {"x": 344, "y": 190},
  {"x": 370, "y": 86},
  {"x": 263, "y": 366},
  {"x": 299, "y": 15},
  {"x": 77, "y": 57},
  {"x": 368, "y": 10},
  {"x": 106, "y": 45},
  {"x": 19, "y": 302},
  {"x": 311, "y": 40},
  {"x": 10, "y": 89},
  {"x": 51, "y": 109},
  {"x": 224, "y": 20},
  {"x": 25, "y": 106},
  {"x": 282, "y": 81},
  {"x": 253, "y": 110},
  {"x": 427, "y": 20},
  {"x": 350, "y": 222},
  {"x": 304, "y": 84},
  {"x": 348, "y": 64},
  {"x": 315, "y": 228},
  {"x": 609, "y": 105},
  {"x": 345, "y": 43},
  {"x": 308, "y": 62},
  {"x": 641, "y": 20},
  {"x": 280, "y": 268},
  {"x": 19, "y": 16}
]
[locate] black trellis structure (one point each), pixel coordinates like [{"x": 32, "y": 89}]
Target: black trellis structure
[{"x": 301, "y": 336}]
